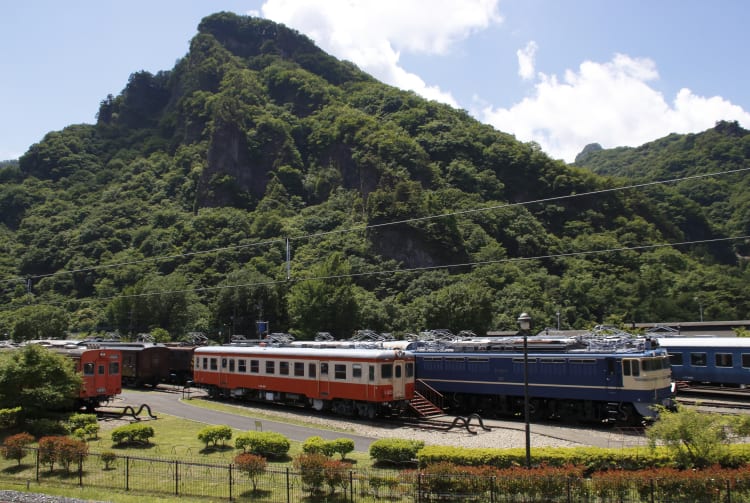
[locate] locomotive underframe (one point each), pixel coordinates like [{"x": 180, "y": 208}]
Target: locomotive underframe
[{"x": 544, "y": 408}]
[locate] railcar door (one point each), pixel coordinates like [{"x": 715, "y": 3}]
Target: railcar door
[
  {"x": 324, "y": 383},
  {"x": 100, "y": 380},
  {"x": 399, "y": 380}
]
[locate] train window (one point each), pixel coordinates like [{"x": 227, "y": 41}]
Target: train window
[
  {"x": 339, "y": 371},
  {"x": 398, "y": 371},
  {"x": 223, "y": 363},
  {"x": 650, "y": 364},
  {"x": 284, "y": 368},
  {"x": 698, "y": 359},
  {"x": 88, "y": 369},
  {"x": 231, "y": 365},
  {"x": 356, "y": 371},
  {"x": 101, "y": 370},
  {"x": 723, "y": 359},
  {"x": 254, "y": 367},
  {"x": 299, "y": 369},
  {"x": 386, "y": 371},
  {"x": 270, "y": 367},
  {"x": 675, "y": 358},
  {"x": 114, "y": 368},
  {"x": 745, "y": 360},
  {"x": 214, "y": 365},
  {"x": 371, "y": 373},
  {"x": 631, "y": 367},
  {"x": 242, "y": 366},
  {"x": 409, "y": 369},
  {"x": 324, "y": 369},
  {"x": 311, "y": 370}
]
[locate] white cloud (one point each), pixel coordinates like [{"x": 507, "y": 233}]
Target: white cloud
[
  {"x": 526, "y": 60},
  {"x": 373, "y": 34},
  {"x": 608, "y": 103}
]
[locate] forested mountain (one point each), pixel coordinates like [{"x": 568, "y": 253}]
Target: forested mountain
[{"x": 262, "y": 179}]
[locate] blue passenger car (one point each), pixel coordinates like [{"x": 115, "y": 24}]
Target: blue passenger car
[
  {"x": 717, "y": 360},
  {"x": 566, "y": 380}
]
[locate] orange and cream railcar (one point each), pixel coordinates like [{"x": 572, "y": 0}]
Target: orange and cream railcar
[
  {"x": 100, "y": 370},
  {"x": 364, "y": 382}
]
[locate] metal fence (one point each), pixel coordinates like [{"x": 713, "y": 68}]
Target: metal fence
[{"x": 224, "y": 481}]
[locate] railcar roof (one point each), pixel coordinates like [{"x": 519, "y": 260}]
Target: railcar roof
[
  {"x": 704, "y": 342},
  {"x": 291, "y": 352}
]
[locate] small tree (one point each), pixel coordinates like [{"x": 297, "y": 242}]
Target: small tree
[
  {"x": 69, "y": 450},
  {"x": 14, "y": 447},
  {"x": 335, "y": 473},
  {"x": 342, "y": 446},
  {"x": 108, "y": 457},
  {"x": 311, "y": 469},
  {"x": 697, "y": 439},
  {"x": 48, "y": 451},
  {"x": 254, "y": 466}
]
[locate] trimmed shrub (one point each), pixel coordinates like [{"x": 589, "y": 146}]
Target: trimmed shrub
[
  {"x": 131, "y": 433},
  {"x": 215, "y": 434},
  {"x": 14, "y": 447},
  {"x": 9, "y": 417},
  {"x": 48, "y": 452},
  {"x": 395, "y": 450},
  {"x": 263, "y": 443},
  {"x": 342, "y": 446},
  {"x": 336, "y": 474},
  {"x": 108, "y": 458},
  {"x": 311, "y": 469},
  {"x": 69, "y": 450}
]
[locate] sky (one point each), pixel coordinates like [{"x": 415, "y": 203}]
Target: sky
[{"x": 561, "y": 73}]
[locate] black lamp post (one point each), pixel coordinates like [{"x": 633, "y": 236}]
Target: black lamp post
[{"x": 524, "y": 322}]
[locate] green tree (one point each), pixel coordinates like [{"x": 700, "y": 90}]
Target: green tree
[
  {"x": 38, "y": 380},
  {"x": 325, "y": 302},
  {"x": 39, "y": 322},
  {"x": 696, "y": 438}
]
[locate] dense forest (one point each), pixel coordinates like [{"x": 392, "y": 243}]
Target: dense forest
[{"x": 263, "y": 179}]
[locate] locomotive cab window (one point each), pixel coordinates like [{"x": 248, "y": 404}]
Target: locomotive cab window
[
  {"x": 698, "y": 359},
  {"x": 631, "y": 367},
  {"x": 386, "y": 371},
  {"x": 723, "y": 359},
  {"x": 88, "y": 369}
]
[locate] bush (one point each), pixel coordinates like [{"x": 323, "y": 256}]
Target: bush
[
  {"x": 47, "y": 452},
  {"x": 46, "y": 427},
  {"x": 81, "y": 421},
  {"x": 69, "y": 450},
  {"x": 395, "y": 450},
  {"x": 131, "y": 433},
  {"x": 214, "y": 434},
  {"x": 311, "y": 469},
  {"x": 263, "y": 443},
  {"x": 108, "y": 458},
  {"x": 14, "y": 447},
  {"x": 343, "y": 446},
  {"x": 336, "y": 474},
  {"x": 252, "y": 465}
]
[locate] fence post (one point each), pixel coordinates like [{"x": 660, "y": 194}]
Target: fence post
[
  {"x": 37, "y": 465},
  {"x": 492, "y": 489},
  {"x": 351, "y": 485},
  {"x": 127, "y": 473},
  {"x": 80, "y": 470},
  {"x": 652, "y": 490},
  {"x": 176, "y": 478},
  {"x": 729, "y": 492},
  {"x": 570, "y": 482},
  {"x": 230, "y": 481},
  {"x": 288, "y": 499},
  {"x": 419, "y": 487}
]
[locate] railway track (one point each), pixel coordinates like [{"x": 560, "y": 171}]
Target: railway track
[{"x": 714, "y": 397}]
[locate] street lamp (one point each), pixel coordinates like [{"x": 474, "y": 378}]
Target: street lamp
[{"x": 524, "y": 322}]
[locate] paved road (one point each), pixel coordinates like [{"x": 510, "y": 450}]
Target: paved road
[{"x": 168, "y": 402}]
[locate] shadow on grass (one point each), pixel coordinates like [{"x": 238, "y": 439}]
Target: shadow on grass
[
  {"x": 16, "y": 468},
  {"x": 134, "y": 445},
  {"x": 256, "y": 493},
  {"x": 216, "y": 448}
]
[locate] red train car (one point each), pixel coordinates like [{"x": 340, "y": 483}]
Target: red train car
[
  {"x": 100, "y": 369},
  {"x": 364, "y": 382}
]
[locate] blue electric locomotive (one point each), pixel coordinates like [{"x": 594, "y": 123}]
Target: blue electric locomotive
[
  {"x": 568, "y": 379},
  {"x": 717, "y": 360}
]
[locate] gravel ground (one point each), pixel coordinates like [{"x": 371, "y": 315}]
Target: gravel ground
[{"x": 21, "y": 497}]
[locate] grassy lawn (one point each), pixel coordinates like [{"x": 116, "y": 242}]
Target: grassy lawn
[{"x": 174, "y": 439}]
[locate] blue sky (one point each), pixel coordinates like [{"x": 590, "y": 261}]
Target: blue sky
[{"x": 563, "y": 73}]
